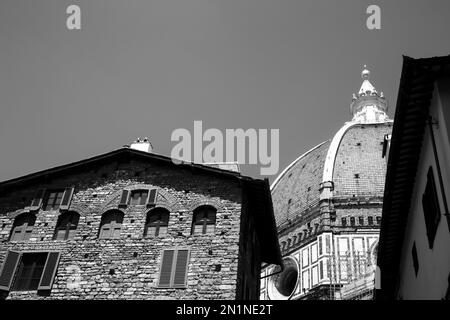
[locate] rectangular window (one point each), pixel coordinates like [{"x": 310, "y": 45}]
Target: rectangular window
[
  {"x": 378, "y": 220},
  {"x": 53, "y": 199},
  {"x": 352, "y": 221},
  {"x": 361, "y": 221},
  {"x": 173, "y": 269},
  {"x": 138, "y": 197},
  {"x": 431, "y": 210},
  {"x": 344, "y": 222},
  {"x": 321, "y": 270},
  {"x": 415, "y": 259},
  {"x": 31, "y": 271},
  {"x": 370, "y": 221}
]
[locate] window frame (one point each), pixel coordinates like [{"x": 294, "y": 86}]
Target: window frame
[
  {"x": 23, "y": 228},
  {"x": 15, "y": 272},
  {"x": 205, "y": 210},
  {"x": 142, "y": 201},
  {"x": 48, "y": 193},
  {"x": 112, "y": 224},
  {"x": 160, "y": 212},
  {"x": 67, "y": 235},
  {"x": 171, "y": 284}
]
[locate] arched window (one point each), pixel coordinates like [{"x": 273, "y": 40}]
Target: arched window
[
  {"x": 157, "y": 223},
  {"x": 23, "y": 227},
  {"x": 111, "y": 225},
  {"x": 66, "y": 226},
  {"x": 204, "y": 220}
]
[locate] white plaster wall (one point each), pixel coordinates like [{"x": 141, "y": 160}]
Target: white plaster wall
[{"x": 434, "y": 264}]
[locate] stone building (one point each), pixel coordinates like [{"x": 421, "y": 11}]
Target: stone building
[
  {"x": 327, "y": 207},
  {"x": 131, "y": 224},
  {"x": 414, "y": 251}
]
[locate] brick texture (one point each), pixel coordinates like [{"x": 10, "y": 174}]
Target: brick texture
[{"x": 128, "y": 268}]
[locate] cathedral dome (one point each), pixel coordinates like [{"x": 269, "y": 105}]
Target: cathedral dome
[{"x": 348, "y": 166}]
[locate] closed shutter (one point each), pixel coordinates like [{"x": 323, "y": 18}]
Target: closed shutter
[
  {"x": 152, "y": 195},
  {"x": 9, "y": 269},
  {"x": 210, "y": 228},
  {"x": 60, "y": 234},
  {"x": 179, "y": 279},
  {"x": 67, "y": 198},
  {"x": 28, "y": 233},
  {"x": 37, "y": 200},
  {"x": 72, "y": 233},
  {"x": 105, "y": 232},
  {"x": 166, "y": 268},
  {"x": 151, "y": 231},
  {"x": 124, "y": 198},
  {"x": 51, "y": 265},
  {"x": 198, "y": 229},
  {"x": 115, "y": 232},
  {"x": 16, "y": 234}
]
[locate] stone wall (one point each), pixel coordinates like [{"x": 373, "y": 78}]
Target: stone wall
[{"x": 128, "y": 268}]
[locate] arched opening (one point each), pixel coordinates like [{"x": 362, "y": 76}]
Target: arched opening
[
  {"x": 157, "y": 223},
  {"x": 23, "y": 227},
  {"x": 204, "y": 220},
  {"x": 111, "y": 225},
  {"x": 66, "y": 226}
]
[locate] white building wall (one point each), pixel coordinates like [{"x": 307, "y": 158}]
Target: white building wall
[{"x": 434, "y": 264}]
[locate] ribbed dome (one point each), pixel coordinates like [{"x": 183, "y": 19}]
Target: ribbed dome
[
  {"x": 297, "y": 187},
  {"x": 350, "y": 165}
]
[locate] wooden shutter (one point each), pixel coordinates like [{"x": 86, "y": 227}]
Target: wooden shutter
[
  {"x": 179, "y": 278},
  {"x": 66, "y": 199},
  {"x": 105, "y": 231},
  {"x": 51, "y": 265},
  {"x": 60, "y": 234},
  {"x": 16, "y": 234},
  {"x": 8, "y": 270},
  {"x": 166, "y": 268},
  {"x": 152, "y": 195},
  {"x": 37, "y": 200},
  {"x": 124, "y": 198}
]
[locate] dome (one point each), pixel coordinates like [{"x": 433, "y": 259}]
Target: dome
[{"x": 348, "y": 166}]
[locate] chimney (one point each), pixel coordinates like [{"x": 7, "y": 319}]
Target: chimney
[{"x": 142, "y": 145}]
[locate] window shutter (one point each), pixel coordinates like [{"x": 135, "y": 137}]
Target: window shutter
[
  {"x": 115, "y": 232},
  {"x": 67, "y": 198},
  {"x": 151, "y": 199},
  {"x": 16, "y": 234},
  {"x": 9, "y": 269},
  {"x": 124, "y": 198},
  {"x": 105, "y": 231},
  {"x": 166, "y": 268},
  {"x": 179, "y": 279},
  {"x": 37, "y": 200},
  {"x": 51, "y": 265},
  {"x": 60, "y": 234}
]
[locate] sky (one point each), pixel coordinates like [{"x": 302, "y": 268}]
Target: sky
[{"x": 144, "y": 68}]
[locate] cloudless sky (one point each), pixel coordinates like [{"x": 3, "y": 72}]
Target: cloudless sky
[{"x": 146, "y": 67}]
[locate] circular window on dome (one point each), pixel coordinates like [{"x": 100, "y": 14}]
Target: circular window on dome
[{"x": 282, "y": 285}]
